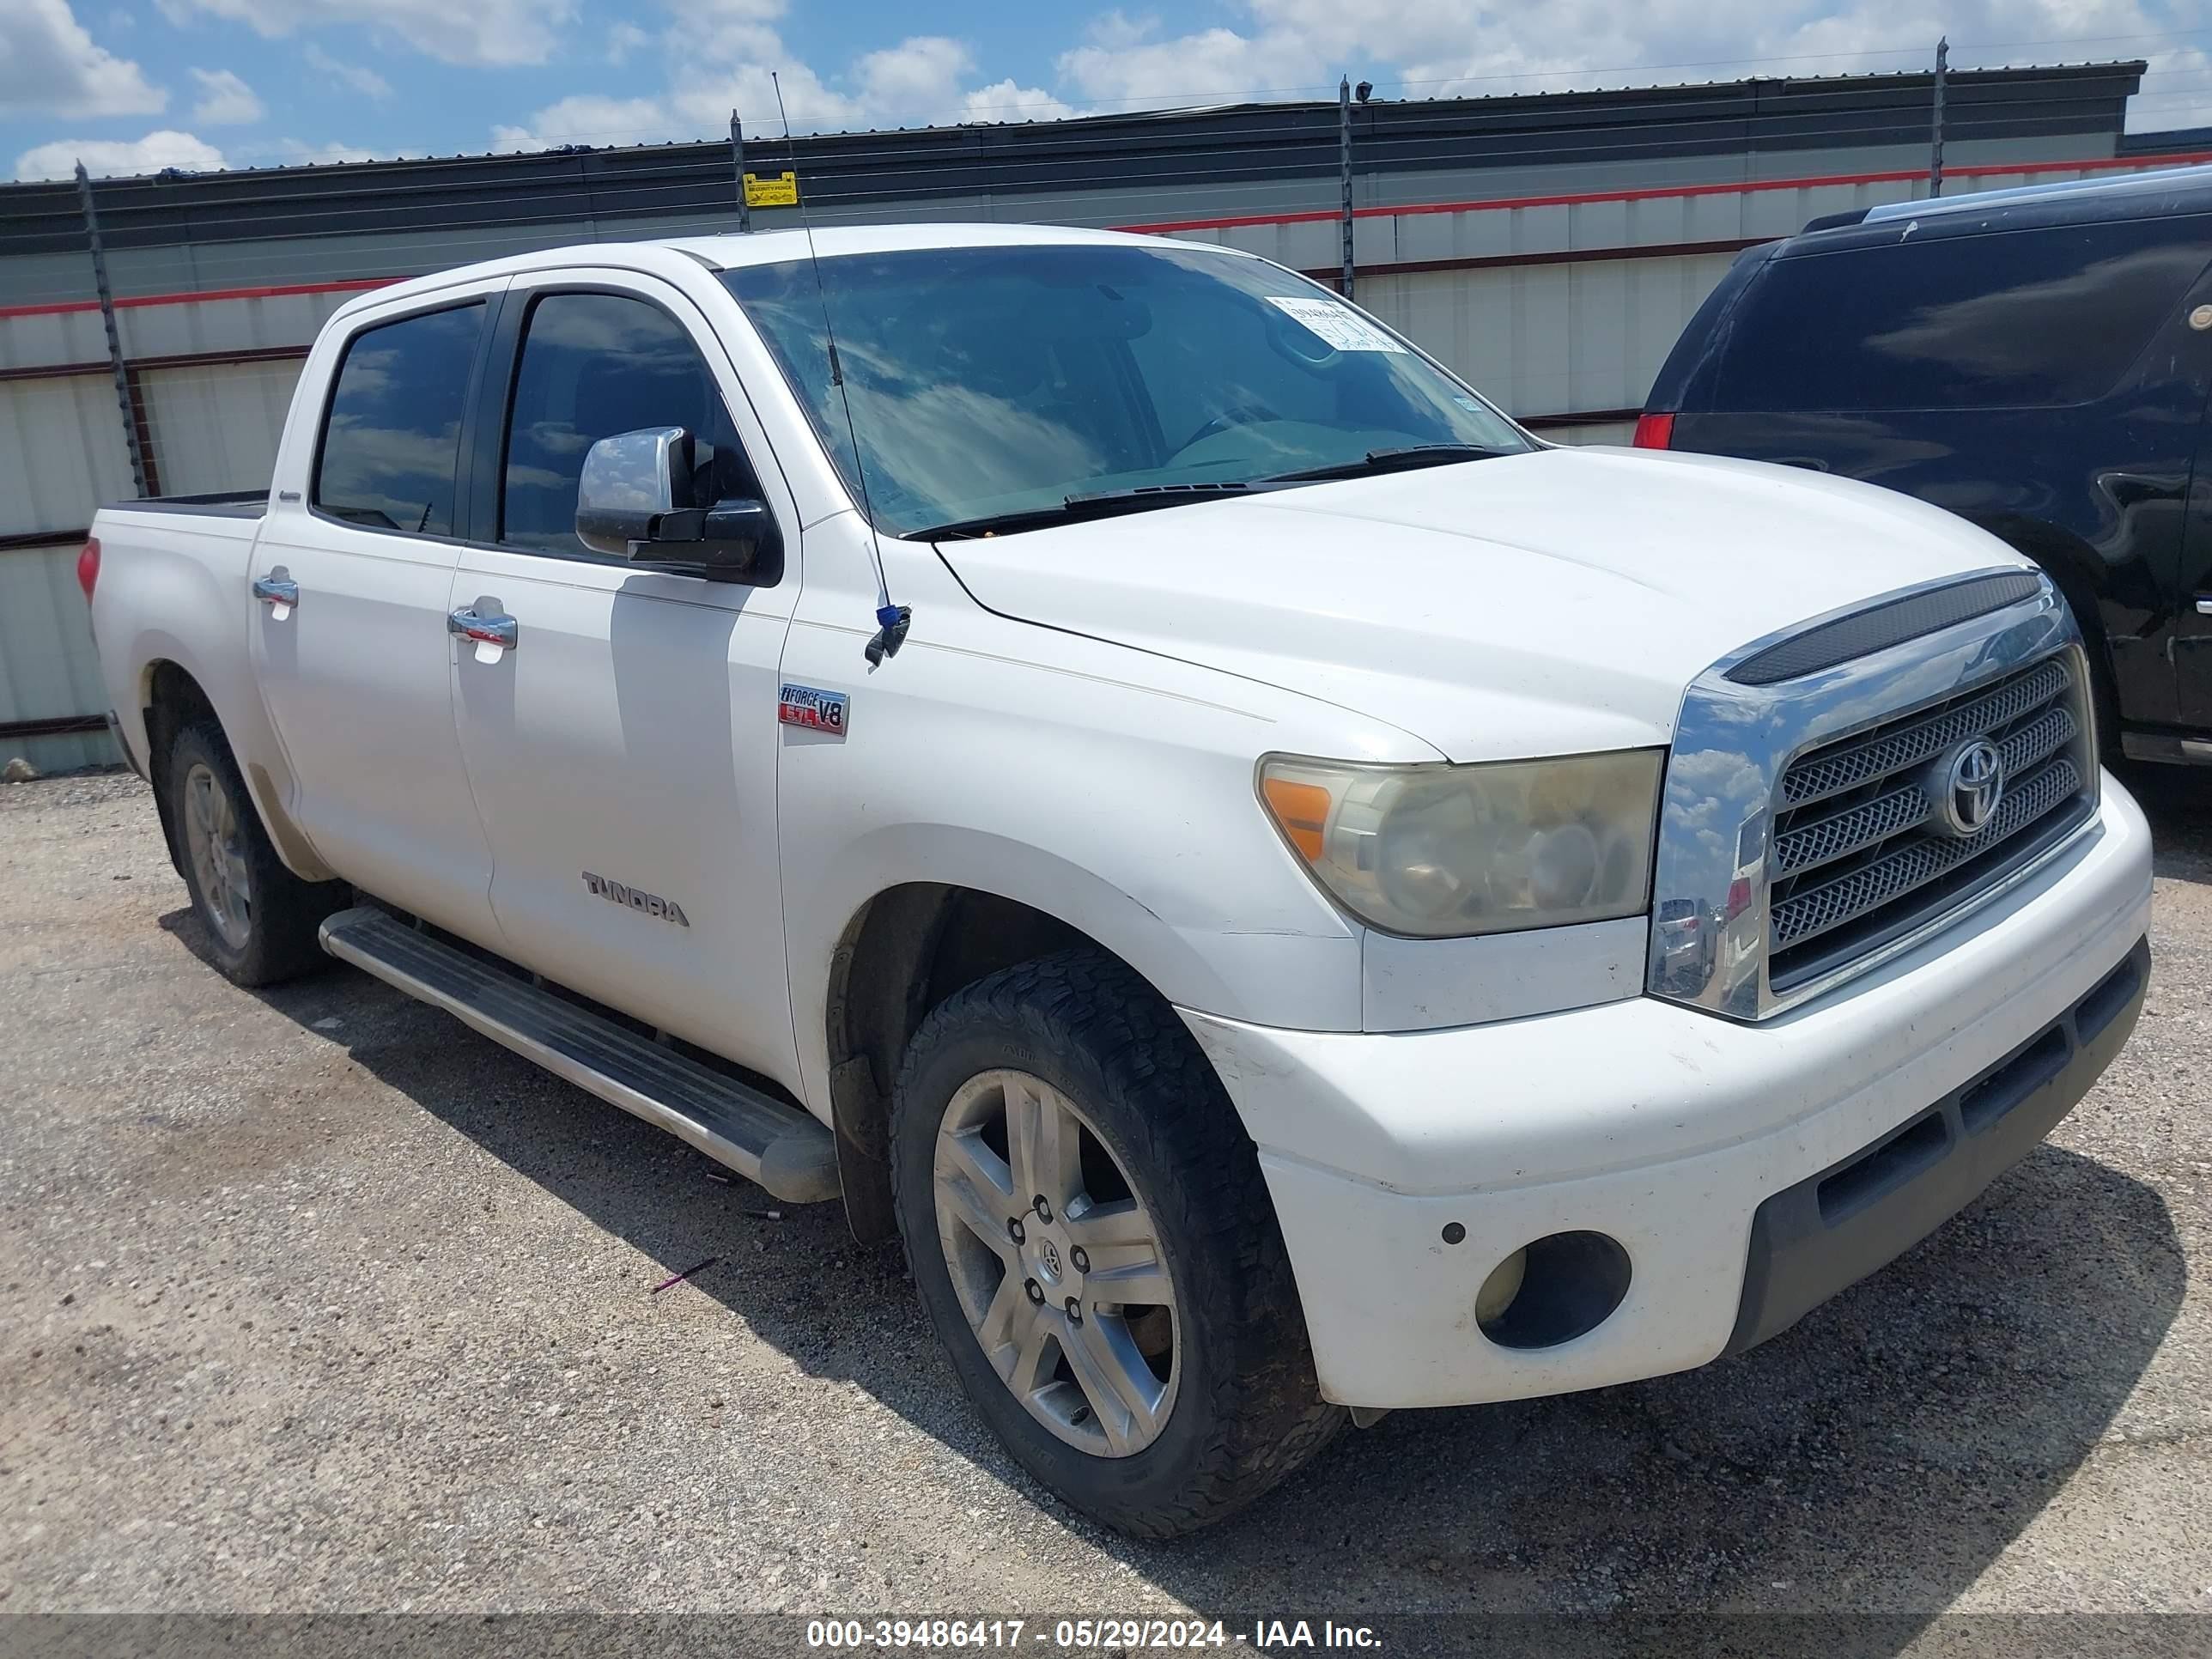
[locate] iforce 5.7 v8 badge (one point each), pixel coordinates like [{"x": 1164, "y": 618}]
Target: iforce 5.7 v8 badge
[{"x": 818, "y": 711}]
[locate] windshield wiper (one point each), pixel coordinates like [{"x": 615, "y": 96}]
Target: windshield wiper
[
  {"x": 1392, "y": 461},
  {"x": 1104, "y": 504}
]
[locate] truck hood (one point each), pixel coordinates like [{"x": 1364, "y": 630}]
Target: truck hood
[{"x": 1540, "y": 603}]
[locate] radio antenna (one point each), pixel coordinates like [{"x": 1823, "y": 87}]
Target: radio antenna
[{"x": 892, "y": 620}]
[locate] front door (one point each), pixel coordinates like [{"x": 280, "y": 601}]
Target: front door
[
  {"x": 622, "y": 750},
  {"x": 350, "y": 643}
]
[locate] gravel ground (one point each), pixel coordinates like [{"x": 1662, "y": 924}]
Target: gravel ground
[{"x": 313, "y": 1301}]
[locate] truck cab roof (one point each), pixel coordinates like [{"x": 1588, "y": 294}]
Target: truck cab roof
[{"x": 736, "y": 250}]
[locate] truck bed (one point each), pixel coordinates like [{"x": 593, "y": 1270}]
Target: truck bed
[{"x": 222, "y": 504}]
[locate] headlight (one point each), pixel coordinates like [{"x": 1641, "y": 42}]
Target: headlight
[{"x": 1438, "y": 851}]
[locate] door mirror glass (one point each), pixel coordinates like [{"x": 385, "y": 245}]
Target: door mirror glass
[{"x": 636, "y": 502}]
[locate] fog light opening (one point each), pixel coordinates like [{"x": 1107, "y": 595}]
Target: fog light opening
[{"x": 1562, "y": 1286}]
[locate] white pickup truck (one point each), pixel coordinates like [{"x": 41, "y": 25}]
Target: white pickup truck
[{"x": 1294, "y": 897}]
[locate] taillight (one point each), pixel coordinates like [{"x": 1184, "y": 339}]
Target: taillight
[
  {"x": 1654, "y": 431},
  {"x": 87, "y": 566},
  {"x": 1739, "y": 898}
]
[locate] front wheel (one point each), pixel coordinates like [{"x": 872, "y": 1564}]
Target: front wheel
[{"x": 1091, "y": 1238}]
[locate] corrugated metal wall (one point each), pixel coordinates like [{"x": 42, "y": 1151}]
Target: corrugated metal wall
[
  {"x": 214, "y": 426},
  {"x": 47, "y": 667},
  {"x": 1557, "y": 308}
]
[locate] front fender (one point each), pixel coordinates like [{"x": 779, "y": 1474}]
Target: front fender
[{"x": 1035, "y": 766}]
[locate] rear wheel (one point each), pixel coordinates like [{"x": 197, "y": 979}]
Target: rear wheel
[
  {"x": 260, "y": 918},
  {"x": 1091, "y": 1237}
]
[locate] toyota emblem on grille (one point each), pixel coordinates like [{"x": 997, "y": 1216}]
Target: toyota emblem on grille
[{"x": 1969, "y": 784}]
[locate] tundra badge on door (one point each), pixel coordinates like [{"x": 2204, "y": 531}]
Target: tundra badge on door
[{"x": 636, "y": 898}]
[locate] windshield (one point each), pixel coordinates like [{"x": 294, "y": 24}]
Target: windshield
[{"x": 989, "y": 381}]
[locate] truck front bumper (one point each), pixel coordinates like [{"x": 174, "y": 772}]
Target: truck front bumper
[{"x": 1745, "y": 1173}]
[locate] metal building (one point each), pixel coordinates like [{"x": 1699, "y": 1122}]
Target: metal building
[{"x": 1549, "y": 247}]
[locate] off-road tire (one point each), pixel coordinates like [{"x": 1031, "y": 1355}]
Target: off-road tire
[
  {"x": 1247, "y": 1411},
  {"x": 286, "y": 911}
]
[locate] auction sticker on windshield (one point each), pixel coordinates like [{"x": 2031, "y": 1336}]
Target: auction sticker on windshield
[{"x": 1336, "y": 323}]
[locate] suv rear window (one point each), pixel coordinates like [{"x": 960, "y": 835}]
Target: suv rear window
[
  {"x": 2017, "y": 319},
  {"x": 392, "y": 442}
]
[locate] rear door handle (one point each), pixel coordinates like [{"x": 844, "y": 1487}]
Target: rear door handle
[
  {"x": 471, "y": 624},
  {"x": 276, "y": 590}
]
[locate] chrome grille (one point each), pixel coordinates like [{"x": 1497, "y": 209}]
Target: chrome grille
[
  {"x": 1846, "y": 765},
  {"x": 1857, "y": 858}
]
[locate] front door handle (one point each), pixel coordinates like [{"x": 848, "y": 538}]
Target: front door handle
[
  {"x": 276, "y": 590},
  {"x": 472, "y": 624}
]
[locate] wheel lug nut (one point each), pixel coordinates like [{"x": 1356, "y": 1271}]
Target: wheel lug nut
[
  {"x": 1074, "y": 1311},
  {"x": 1043, "y": 1208},
  {"x": 1081, "y": 1258},
  {"x": 1035, "y": 1290},
  {"x": 1014, "y": 1228}
]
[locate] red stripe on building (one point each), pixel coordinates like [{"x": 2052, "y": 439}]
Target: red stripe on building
[
  {"x": 1495, "y": 204},
  {"x": 1744, "y": 187},
  {"x": 352, "y": 285}
]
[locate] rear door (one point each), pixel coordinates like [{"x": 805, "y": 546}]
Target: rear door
[
  {"x": 623, "y": 751},
  {"x": 353, "y": 570}
]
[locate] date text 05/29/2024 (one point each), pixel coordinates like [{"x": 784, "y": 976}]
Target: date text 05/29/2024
[{"x": 1087, "y": 1635}]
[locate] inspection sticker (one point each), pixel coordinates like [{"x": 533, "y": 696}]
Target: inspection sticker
[{"x": 1336, "y": 323}]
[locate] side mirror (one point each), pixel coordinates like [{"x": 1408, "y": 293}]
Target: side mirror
[{"x": 635, "y": 501}]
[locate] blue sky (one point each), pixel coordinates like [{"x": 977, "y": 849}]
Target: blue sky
[{"x": 135, "y": 85}]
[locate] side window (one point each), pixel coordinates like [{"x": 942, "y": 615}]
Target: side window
[
  {"x": 594, "y": 365},
  {"x": 2009, "y": 319},
  {"x": 392, "y": 442}
]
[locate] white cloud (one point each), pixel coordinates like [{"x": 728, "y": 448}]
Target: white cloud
[
  {"x": 1215, "y": 65},
  {"x": 452, "y": 31},
  {"x": 296, "y": 153},
  {"x": 1003, "y": 100},
  {"x": 624, "y": 38},
  {"x": 590, "y": 118},
  {"x": 696, "y": 103},
  {"x": 116, "y": 158},
  {"x": 1451, "y": 48},
  {"x": 720, "y": 55},
  {"x": 225, "y": 100},
  {"x": 916, "y": 75},
  {"x": 49, "y": 63},
  {"x": 359, "y": 77},
  {"x": 2176, "y": 93}
]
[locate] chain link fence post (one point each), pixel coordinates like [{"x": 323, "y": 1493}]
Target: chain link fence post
[
  {"x": 738, "y": 160},
  {"x": 123, "y": 401},
  {"x": 1935, "y": 140},
  {"x": 1344, "y": 169}
]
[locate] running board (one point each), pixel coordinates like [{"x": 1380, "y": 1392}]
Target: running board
[{"x": 760, "y": 1137}]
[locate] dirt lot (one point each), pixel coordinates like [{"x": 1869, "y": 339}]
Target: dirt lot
[{"x": 314, "y": 1301}]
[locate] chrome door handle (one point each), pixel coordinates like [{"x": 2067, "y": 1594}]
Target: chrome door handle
[
  {"x": 2204, "y": 605},
  {"x": 276, "y": 590},
  {"x": 484, "y": 630}
]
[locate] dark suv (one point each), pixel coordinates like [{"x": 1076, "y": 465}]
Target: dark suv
[{"x": 2036, "y": 361}]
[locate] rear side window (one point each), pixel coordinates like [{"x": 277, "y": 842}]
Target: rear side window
[
  {"x": 2014, "y": 320},
  {"x": 594, "y": 365},
  {"x": 392, "y": 442}
]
